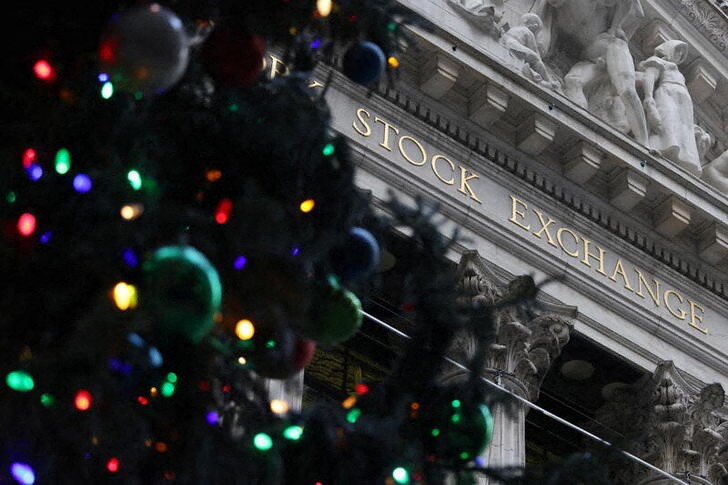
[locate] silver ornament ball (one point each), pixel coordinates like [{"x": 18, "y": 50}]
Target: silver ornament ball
[{"x": 145, "y": 49}]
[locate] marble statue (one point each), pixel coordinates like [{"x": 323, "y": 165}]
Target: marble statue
[
  {"x": 703, "y": 140},
  {"x": 482, "y": 13},
  {"x": 595, "y": 34},
  {"x": 521, "y": 42},
  {"x": 668, "y": 105}
]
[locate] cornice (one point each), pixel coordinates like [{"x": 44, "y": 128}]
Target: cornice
[{"x": 708, "y": 19}]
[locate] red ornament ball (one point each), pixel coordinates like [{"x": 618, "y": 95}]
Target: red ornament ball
[{"x": 234, "y": 58}]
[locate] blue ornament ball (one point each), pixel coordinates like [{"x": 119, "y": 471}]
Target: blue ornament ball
[
  {"x": 357, "y": 257},
  {"x": 364, "y": 62}
]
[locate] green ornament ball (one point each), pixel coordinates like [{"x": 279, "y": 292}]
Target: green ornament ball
[
  {"x": 461, "y": 431},
  {"x": 334, "y": 314},
  {"x": 182, "y": 291}
]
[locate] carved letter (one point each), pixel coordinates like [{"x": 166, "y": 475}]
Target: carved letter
[
  {"x": 515, "y": 212},
  {"x": 387, "y": 126},
  {"x": 437, "y": 174},
  {"x": 619, "y": 270},
  {"x": 545, "y": 228},
  {"x": 464, "y": 184},
  {"x": 682, "y": 313},
  {"x": 274, "y": 67},
  {"x": 694, "y": 316},
  {"x": 575, "y": 253},
  {"x": 599, "y": 258},
  {"x": 654, "y": 293},
  {"x": 366, "y": 130},
  {"x": 423, "y": 154}
]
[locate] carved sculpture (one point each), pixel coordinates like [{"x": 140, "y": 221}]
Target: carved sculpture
[
  {"x": 703, "y": 140},
  {"x": 668, "y": 105},
  {"x": 676, "y": 426},
  {"x": 716, "y": 172},
  {"x": 521, "y": 42},
  {"x": 482, "y": 13},
  {"x": 595, "y": 34}
]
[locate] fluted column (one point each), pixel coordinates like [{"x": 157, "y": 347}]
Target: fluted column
[{"x": 518, "y": 359}]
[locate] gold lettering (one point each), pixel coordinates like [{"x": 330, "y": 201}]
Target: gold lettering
[
  {"x": 464, "y": 184},
  {"x": 315, "y": 84},
  {"x": 423, "y": 154},
  {"x": 665, "y": 296},
  {"x": 694, "y": 316},
  {"x": 619, "y": 270},
  {"x": 654, "y": 293},
  {"x": 366, "y": 130},
  {"x": 433, "y": 162},
  {"x": 387, "y": 127},
  {"x": 562, "y": 230},
  {"x": 545, "y": 228},
  {"x": 599, "y": 258},
  {"x": 515, "y": 212},
  {"x": 277, "y": 67}
]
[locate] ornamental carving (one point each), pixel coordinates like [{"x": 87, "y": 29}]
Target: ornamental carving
[
  {"x": 672, "y": 424},
  {"x": 526, "y": 342}
]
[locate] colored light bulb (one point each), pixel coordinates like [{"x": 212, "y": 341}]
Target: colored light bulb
[
  {"x": 30, "y": 156},
  {"x": 240, "y": 262},
  {"x": 223, "y": 210},
  {"x": 63, "y": 161},
  {"x": 353, "y": 415},
  {"x": 328, "y": 149},
  {"x": 82, "y": 183},
  {"x": 135, "y": 179},
  {"x": 401, "y": 475},
  {"x": 307, "y": 205},
  {"x": 167, "y": 389},
  {"x": 35, "y": 172},
  {"x": 125, "y": 296},
  {"x": 26, "y": 224},
  {"x": 244, "y": 329},
  {"x": 82, "y": 401},
  {"x": 279, "y": 406},
  {"x": 262, "y": 442},
  {"x": 20, "y": 381},
  {"x": 323, "y": 7},
  {"x": 23, "y": 473},
  {"x": 112, "y": 465},
  {"x": 44, "y": 71},
  {"x": 107, "y": 90},
  {"x": 212, "y": 417},
  {"x": 293, "y": 433}
]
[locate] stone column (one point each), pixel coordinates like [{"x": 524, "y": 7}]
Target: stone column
[
  {"x": 526, "y": 344},
  {"x": 673, "y": 425}
]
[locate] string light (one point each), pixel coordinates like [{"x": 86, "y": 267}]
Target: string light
[
  {"x": 130, "y": 212},
  {"x": 20, "y": 381},
  {"x": 242, "y": 360},
  {"x": 293, "y": 433},
  {"x": 83, "y": 400},
  {"x": 222, "y": 213},
  {"x": 63, "y": 161},
  {"x": 328, "y": 149},
  {"x": 47, "y": 400},
  {"x": 26, "y": 224},
  {"x": 107, "y": 90},
  {"x": 279, "y": 406},
  {"x": 263, "y": 442},
  {"x": 11, "y": 197},
  {"x": 103, "y": 77},
  {"x": 23, "y": 473},
  {"x": 401, "y": 475},
  {"x": 135, "y": 179},
  {"x": 46, "y": 237},
  {"x": 35, "y": 172},
  {"x": 30, "y": 156},
  {"x": 393, "y": 62},
  {"x": 353, "y": 415},
  {"x": 213, "y": 175},
  {"x": 323, "y": 7},
  {"x": 212, "y": 417},
  {"x": 112, "y": 465},
  {"x": 82, "y": 183},
  {"x": 361, "y": 389},
  {"x": 44, "y": 71},
  {"x": 244, "y": 329},
  {"x": 349, "y": 402},
  {"x": 125, "y": 296},
  {"x": 307, "y": 205},
  {"x": 240, "y": 262}
]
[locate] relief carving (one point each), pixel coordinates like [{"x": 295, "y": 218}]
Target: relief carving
[
  {"x": 668, "y": 105},
  {"x": 482, "y": 13}
]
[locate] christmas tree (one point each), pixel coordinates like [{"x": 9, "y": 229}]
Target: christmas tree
[{"x": 179, "y": 226}]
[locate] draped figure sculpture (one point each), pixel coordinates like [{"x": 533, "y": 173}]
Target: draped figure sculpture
[
  {"x": 669, "y": 107},
  {"x": 595, "y": 33}
]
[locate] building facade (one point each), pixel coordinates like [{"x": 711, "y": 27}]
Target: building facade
[{"x": 586, "y": 141}]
